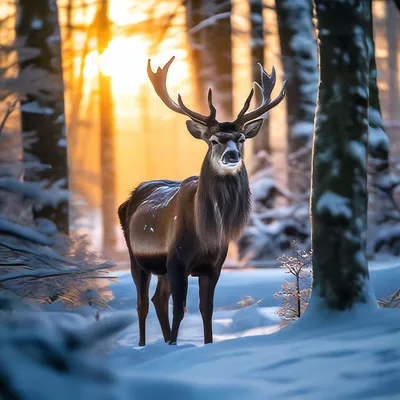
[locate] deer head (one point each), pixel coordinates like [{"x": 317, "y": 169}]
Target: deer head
[{"x": 225, "y": 139}]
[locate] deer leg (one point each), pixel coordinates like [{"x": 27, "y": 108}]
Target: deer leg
[
  {"x": 142, "y": 281},
  {"x": 160, "y": 301},
  {"x": 206, "y": 293},
  {"x": 178, "y": 283}
]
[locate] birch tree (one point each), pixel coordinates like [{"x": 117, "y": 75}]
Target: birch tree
[
  {"x": 339, "y": 179},
  {"x": 42, "y": 111}
]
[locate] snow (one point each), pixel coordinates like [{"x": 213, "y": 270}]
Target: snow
[
  {"x": 349, "y": 355},
  {"x": 34, "y": 108},
  {"x": 347, "y": 358},
  {"x": 302, "y": 129},
  {"x": 334, "y": 205}
]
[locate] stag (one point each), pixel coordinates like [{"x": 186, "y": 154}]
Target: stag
[{"x": 174, "y": 229}]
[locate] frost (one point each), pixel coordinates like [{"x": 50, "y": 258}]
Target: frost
[
  {"x": 258, "y": 42},
  {"x": 62, "y": 143},
  {"x": 358, "y": 151},
  {"x": 334, "y": 205},
  {"x": 255, "y": 17},
  {"x": 301, "y": 43},
  {"x": 60, "y": 119},
  {"x": 302, "y": 129},
  {"x": 24, "y": 232},
  {"x": 37, "y": 24},
  {"x": 34, "y": 108}
]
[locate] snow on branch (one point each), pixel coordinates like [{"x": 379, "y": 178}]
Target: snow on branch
[
  {"x": 57, "y": 349},
  {"x": 11, "y": 228},
  {"x": 51, "y": 196},
  {"x": 208, "y": 22}
]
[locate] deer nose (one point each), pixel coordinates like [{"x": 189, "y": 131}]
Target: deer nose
[{"x": 231, "y": 157}]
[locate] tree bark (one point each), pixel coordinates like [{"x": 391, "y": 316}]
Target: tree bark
[
  {"x": 339, "y": 179},
  {"x": 107, "y": 141},
  {"x": 194, "y": 15},
  {"x": 261, "y": 141},
  {"x": 43, "y": 111},
  {"x": 299, "y": 53},
  {"x": 381, "y": 201},
  {"x": 217, "y": 55},
  {"x": 391, "y": 28}
]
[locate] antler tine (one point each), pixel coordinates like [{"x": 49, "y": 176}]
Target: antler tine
[
  {"x": 246, "y": 104},
  {"x": 159, "y": 81},
  {"x": 268, "y": 83},
  {"x": 213, "y": 111}
]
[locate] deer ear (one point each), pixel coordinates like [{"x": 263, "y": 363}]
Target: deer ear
[
  {"x": 251, "y": 129},
  {"x": 197, "y": 130}
]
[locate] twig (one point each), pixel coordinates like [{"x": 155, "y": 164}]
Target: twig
[{"x": 10, "y": 109}]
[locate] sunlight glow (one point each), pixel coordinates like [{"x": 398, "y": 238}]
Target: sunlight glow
[{"x": 125, "y": 61}]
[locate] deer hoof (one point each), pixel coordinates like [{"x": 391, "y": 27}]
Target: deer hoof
[
  {"x": 142, "y": 344},
  {"x": 171, "y": 343}
]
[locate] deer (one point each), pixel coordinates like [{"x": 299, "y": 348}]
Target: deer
[{"x": 176, "y": 229}]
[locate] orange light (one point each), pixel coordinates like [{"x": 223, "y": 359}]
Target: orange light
[{"x": 125, "y": 61}]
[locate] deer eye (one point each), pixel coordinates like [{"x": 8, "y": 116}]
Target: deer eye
[
  {"x": 242, "y": 140},
  {"x": 214, "y": 142}
]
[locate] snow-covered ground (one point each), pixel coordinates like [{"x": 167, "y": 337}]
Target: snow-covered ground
[
  {"x": 352, "y": 356},
  {"x": 355, "y": 356},
  {"x": 233, "y": 286}
]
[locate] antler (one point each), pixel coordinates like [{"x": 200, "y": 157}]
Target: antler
[
  {"x": 268, "y": 83},
  {"x": 159, "y": 81}
]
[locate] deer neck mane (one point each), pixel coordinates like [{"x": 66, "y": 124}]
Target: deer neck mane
[{"x": 222, "y": 206}]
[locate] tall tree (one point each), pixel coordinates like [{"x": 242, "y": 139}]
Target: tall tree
[
  {"x": 299, "y": 54},
  {"x": 393, "y": 67},
  {"x": 42, "y": 111},
  {"x": 107, "y": 145},
  {"x": 339, "y": 180},
  {"x": 217, "y": 53},
  {"x": 210, "y": 39},
  {"x": 261, "y": 141},
  {"x": 381, "y": 204},
  {"x": 194, "y": 16}
]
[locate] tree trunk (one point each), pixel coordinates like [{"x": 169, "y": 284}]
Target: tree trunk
[
  {"x": 107, "y": 151},
  {"x": 299, "y": 53},
  {"x": 261, "y": 141},
  {"x": 194, "y": 15},
  {"x": 339, "y": 180},
  {"x": 43, "y": 110},
  {"x": 217, "y": 54},
  {"x": 391, "y": 28},
  {"x": 381, "y": 200}
]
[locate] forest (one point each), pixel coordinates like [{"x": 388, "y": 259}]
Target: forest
[{"x": 246, "y": 248}]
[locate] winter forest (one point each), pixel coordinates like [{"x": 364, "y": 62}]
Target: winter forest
[{"x": 199, "y": 199}]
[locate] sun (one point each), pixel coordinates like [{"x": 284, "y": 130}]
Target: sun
[{"x": 125, "y": 61}]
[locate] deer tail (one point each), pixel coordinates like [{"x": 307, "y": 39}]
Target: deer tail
[{"x": 123, "y": 219}]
